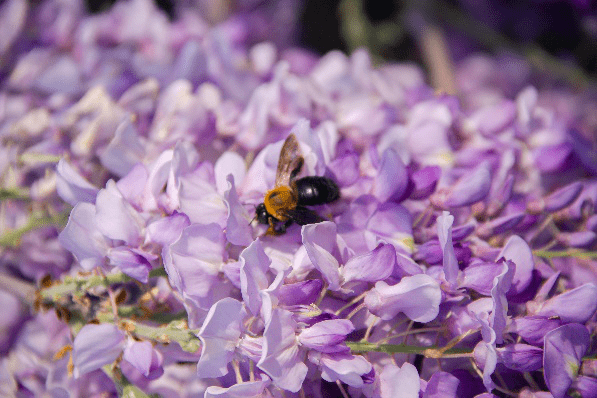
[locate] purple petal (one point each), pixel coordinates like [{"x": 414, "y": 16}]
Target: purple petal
[
  {"x": 519, "y": 252},
  {"x": 521, "y": 357},
  {"x": 479, "y": 277},
  {"x": 71, "y": 186},
  {"x": 134, "y": 263},
  {"x": 500, "y": 225},
  {"x": 81, "y": 237},
  {"x": 96, "y": 346},
  {"x": 374, "y": 266},
  {"x": 125, "y": 150},
  {"x": 144, "y": 358},
  {"x": 493, "y": 119},
  {"x": 300, "y": 293},
  {"x": 417, "y": 296},
  {"x": 219, "y": 335},
  {"x": 424, "y": 182},
  {"x": 247, "y": 389},
  {"x": 194, "y": 260},
  {"x": 392, "y": 178},
  {"x": 444, "y": 234},
  {"x": 399, "y": 382},
  {"x": 228, "y": 164},
  {"x": 392, "y": 222},
  {"x": 576, "y": 305},
  {"x": 550, "y": 159},
  {"x": 253, "y": 278},
  {"x": 563, "y": 351},
  {"x": 442, "y": 385},
  {"x": 347, "y": 368},
  {"x": 345, "y": 169},
  {"x": 325, "y": 336},
  {"x": 499, "y": 313},
  {"x": 580, "y": 239},
  {"x": 281, "y": 358},
  {"x": 470, "y": 188},
  {"x": 319, "y": 241},
  {"x": 533, "y": 328},
  {"x": 500, "y": 198},
  {"x": 115, "y": 217},
  {"x": 586, "y": 386},
  {"x": 557, "y": 200},
  {"x": 238, "y": 228},
  {"x": 166, "y": 230}
]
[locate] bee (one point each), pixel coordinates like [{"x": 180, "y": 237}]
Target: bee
[{"x": 286, "y": 203}]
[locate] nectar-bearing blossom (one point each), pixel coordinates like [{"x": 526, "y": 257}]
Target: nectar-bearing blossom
[{"x": 137, "y": 148}]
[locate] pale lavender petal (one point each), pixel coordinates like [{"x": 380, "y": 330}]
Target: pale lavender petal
[
  {"x": 442, "y": 385},
  {"x": 229, "y": 163},
  {"x": 374, "y": 266},
  {"x": 82, "y": 239},
  {"x": 499, "y": 313},
  {"x": 249, "y": 389},
  {"x": 319, "y": 241},
  {"x": 165, "y": 231},
  {"x": 219, "y": 335},
  {"x": 563, "y": 351},
  {"x": 13, "y": 15},
  {"x": 132, "y": 262},
  {"x": 444, "y": 233},
  {"x": 281, "y": 358},
  {"x": 142, "y": 356},
  {"x": 399, "y": 382},
  {"x": 480, "y": 276},
  {"x": 238, "y": 227},
  {"x": 253, "y": 277},
  {"x": 71, "y": 186},
  {"x": 96, "y": 346},
  {"x": 324, "y": 336},
  {"x": 347, "y": 368},
  {"x": 392, "y": 222},
  {"x": 115, "y": 217},
  {"x": 417, "y": 296},
  {"x": 194, "y": 260},
  {"x": 125, "y": 150}
]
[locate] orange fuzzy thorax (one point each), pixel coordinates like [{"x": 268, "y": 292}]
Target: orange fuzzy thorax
[{"x": 279, "y": 200}]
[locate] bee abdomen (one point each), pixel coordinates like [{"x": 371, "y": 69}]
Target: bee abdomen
[{"x": 316, "y": 190}]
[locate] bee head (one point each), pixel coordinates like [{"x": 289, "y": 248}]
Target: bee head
[{"x": 262, "y": 214}]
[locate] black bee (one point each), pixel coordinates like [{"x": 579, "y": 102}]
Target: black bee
[{"x": 286, "y": 203}]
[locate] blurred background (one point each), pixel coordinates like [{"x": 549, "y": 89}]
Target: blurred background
[{"x": 554, "y": 36}]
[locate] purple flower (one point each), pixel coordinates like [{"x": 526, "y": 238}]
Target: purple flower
[
  {"x": 281, "y": 358},
  {"x": 563, "y": 351},
  {"x": 96, "y": 346},
  {"x": 219, "y": 336},
  {"x": 417, "y": 296},
  {"x": 400, "y": 382}
]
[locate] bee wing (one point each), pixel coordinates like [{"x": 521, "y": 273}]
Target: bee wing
[
  {"x": 303, "y": 216},
  {"x": 290, "y": 162}
]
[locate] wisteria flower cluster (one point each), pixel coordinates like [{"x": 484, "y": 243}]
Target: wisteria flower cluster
[{"x": 458, "y": 262}]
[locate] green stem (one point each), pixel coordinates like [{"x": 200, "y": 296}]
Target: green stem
[
  {"x": 564, "y": 253},
  {"x": 175, "y": 331},
  {"x": 14, "y": 193},
  {"x": 430, "y": 352},
  {"x": 78, "y": 285},
  {"x": 13, "y": 237}
]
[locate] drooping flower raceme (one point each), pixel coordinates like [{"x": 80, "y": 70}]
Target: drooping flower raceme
[{"x": 135, "y": 150}]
